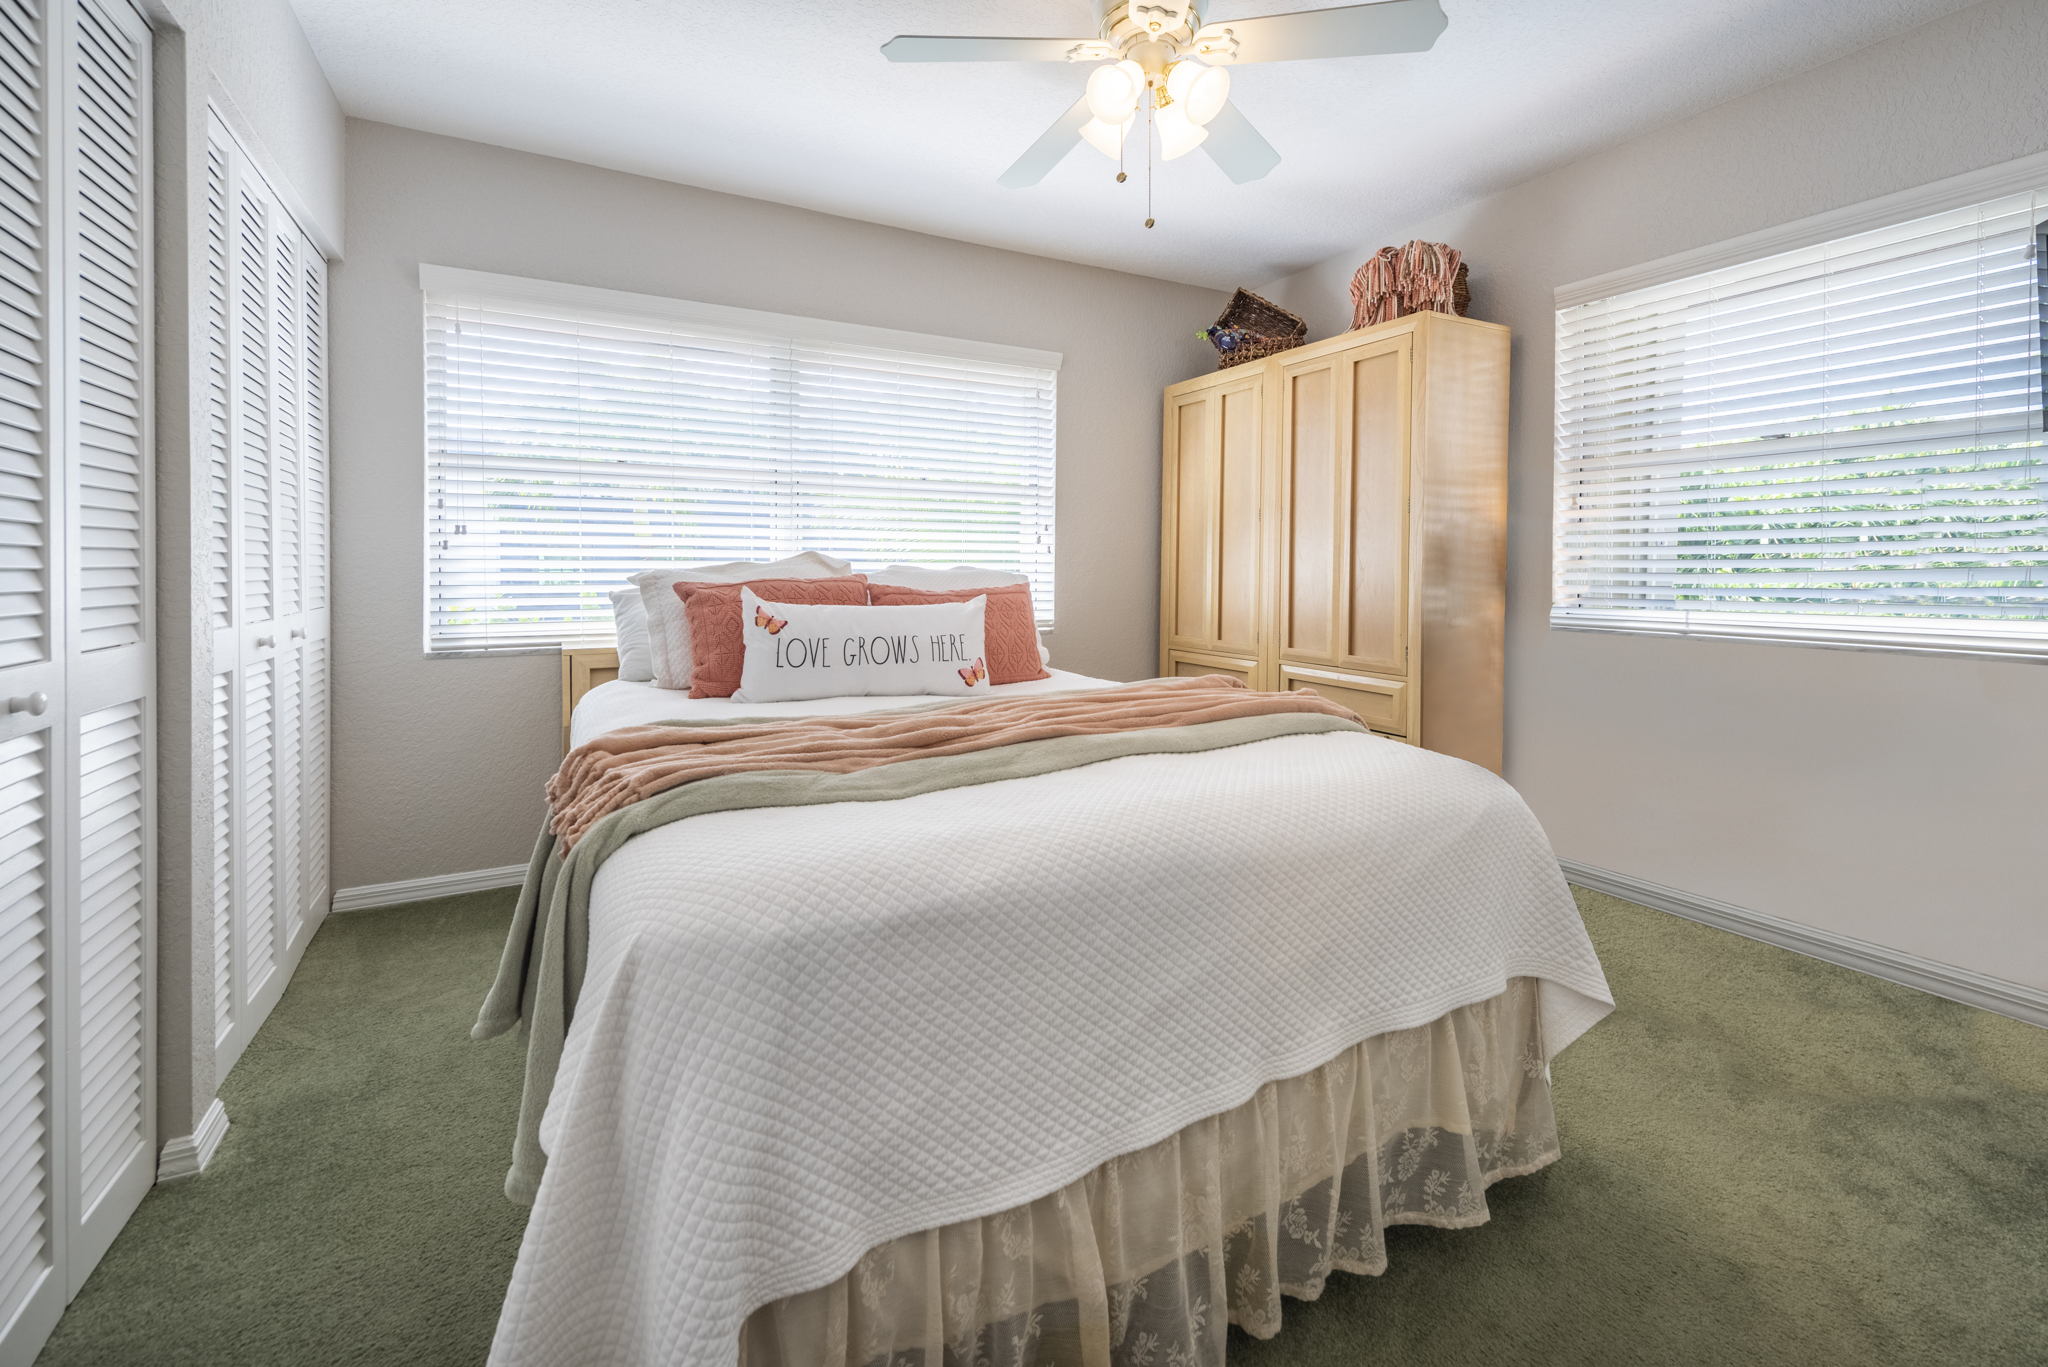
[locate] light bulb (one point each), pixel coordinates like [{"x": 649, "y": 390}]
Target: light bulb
[
  {"x": 1178, "y": 134},
  {"x": 1113, "y": 90},
  {"x": 1106, "y": 138},
  {"x": 1199, "y": 90}
]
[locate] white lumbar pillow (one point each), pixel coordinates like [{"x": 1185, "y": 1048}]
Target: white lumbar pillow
[
  {"x": 629, "y": 624},
  {"x": 668, "y": 630},
  {"x": 795, "y": 651},
  {"x": 945, "y": 581}
]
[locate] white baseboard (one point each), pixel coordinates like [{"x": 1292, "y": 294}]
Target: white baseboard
[
  {"x": 2029, "y": 1004},
  {"x": 421, "y": 889},
  {"x": 188, "y": 1154}
]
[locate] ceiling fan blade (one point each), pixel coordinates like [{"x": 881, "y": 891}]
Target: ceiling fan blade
[
  {"x": 1050, "y": 149},
  {"x": 912, "y": 47},
  {"x": 1237, "y": 147},
  {"x": 1351, "y": 31}
]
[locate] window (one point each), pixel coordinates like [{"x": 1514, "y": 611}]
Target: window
[
  {"x": 575, "y": 436},
  {"x": 1840, "y": 443}
]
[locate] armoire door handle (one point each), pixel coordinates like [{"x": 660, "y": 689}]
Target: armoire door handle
[
  {"x": 265, "y": 642},
  {"x": 35, "y": 704}
]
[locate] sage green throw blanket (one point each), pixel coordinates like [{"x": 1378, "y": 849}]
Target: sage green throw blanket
[{"x": 541, "y": 971}]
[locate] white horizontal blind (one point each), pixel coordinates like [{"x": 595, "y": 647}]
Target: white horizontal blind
[
  {"x": 1841, "y": 443},
  {"x": 570, "y": 444}
]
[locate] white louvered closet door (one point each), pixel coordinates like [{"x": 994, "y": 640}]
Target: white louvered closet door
[
  {"x": 105, "y": 432},
  {"x": 77, "y": 1105},
  {"x": 33, "y": 791},
  {"x": 267, "y": 556}
]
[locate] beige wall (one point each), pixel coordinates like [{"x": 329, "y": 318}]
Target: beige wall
[
  {"x": 439, "y": 762},
  {"x": 250, "y": 56},
  {"x": 1895, "y": 798}
]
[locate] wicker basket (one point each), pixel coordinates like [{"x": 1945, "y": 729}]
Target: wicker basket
[{"x": 1252, "y": 329}]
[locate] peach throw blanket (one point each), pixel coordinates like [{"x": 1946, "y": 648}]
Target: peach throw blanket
[{"x": 622, "y": 767}]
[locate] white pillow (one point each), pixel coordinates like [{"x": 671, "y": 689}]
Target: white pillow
[
  {"x": 796, "y": 651},
  {"x": 629, "y": 624},
  {"x": 668, "y": 630},
  {"x": 945, "y": 581}
]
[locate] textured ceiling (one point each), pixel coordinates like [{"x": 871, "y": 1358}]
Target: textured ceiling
[{"x": 791, "y": 102}]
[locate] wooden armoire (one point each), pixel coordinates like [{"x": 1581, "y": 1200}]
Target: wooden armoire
[{"x": 1335, "y": 518}]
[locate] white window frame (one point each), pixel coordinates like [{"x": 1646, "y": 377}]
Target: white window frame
[
  {"x": 2020, "y": 640},
  {"x": 436, "y": 280}
]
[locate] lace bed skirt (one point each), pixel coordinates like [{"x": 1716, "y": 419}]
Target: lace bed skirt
[{"x": 1145, "y": 1261}]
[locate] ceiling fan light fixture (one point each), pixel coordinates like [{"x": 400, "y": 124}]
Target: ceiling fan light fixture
[
  {"x": 1114, "y": 91},
  {"x": 1105, "y": 137},
  {"x": 1159, "y": 59},
  {"x": 1178, "y": 134},
  {"x": 1200, "y": 91}
]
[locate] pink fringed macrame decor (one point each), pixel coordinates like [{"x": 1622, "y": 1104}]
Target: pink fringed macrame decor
[{"x": 1398, "y": 281}]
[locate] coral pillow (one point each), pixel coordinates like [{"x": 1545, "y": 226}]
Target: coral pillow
[
  {"x": 668, "y": 629},
  {"x": 1010, "y": 626},
  {"x": 717, "y": 643}
]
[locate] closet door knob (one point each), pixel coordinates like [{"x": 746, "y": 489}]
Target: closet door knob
[
  {"x": 298, "y": 633},
  {"x": 35, "y": 704},
  {"x": 265, "y": 642}
]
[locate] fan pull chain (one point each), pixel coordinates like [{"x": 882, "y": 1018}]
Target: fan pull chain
[{"x": 1148, "y": 161}]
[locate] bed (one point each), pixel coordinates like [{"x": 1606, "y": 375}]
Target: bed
[{"x": 1077, "y": 1067}]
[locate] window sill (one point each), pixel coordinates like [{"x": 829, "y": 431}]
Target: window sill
[
  {"x": 1916, "y": 639},
  {"x": 511, "y": 652}
]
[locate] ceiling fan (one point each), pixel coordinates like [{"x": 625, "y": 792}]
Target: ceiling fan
[{"x": 1159, "y": 60}]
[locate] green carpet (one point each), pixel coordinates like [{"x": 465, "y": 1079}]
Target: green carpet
[{"x": 1767, "y": 1159}]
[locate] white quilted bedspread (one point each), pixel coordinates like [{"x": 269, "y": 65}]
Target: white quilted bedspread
[{"x": 809, "y": 1030}]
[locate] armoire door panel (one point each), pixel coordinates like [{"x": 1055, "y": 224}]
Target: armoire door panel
[
  {"x": 1239, "y": 552},
  {"x": 1186, "y": 665},
  {"x": 1381, "y": 704},
  {"x": 1376, "y": 559},
  {"x": 1312, "y": 457},
  {"x": 1194, "y": 517}
]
